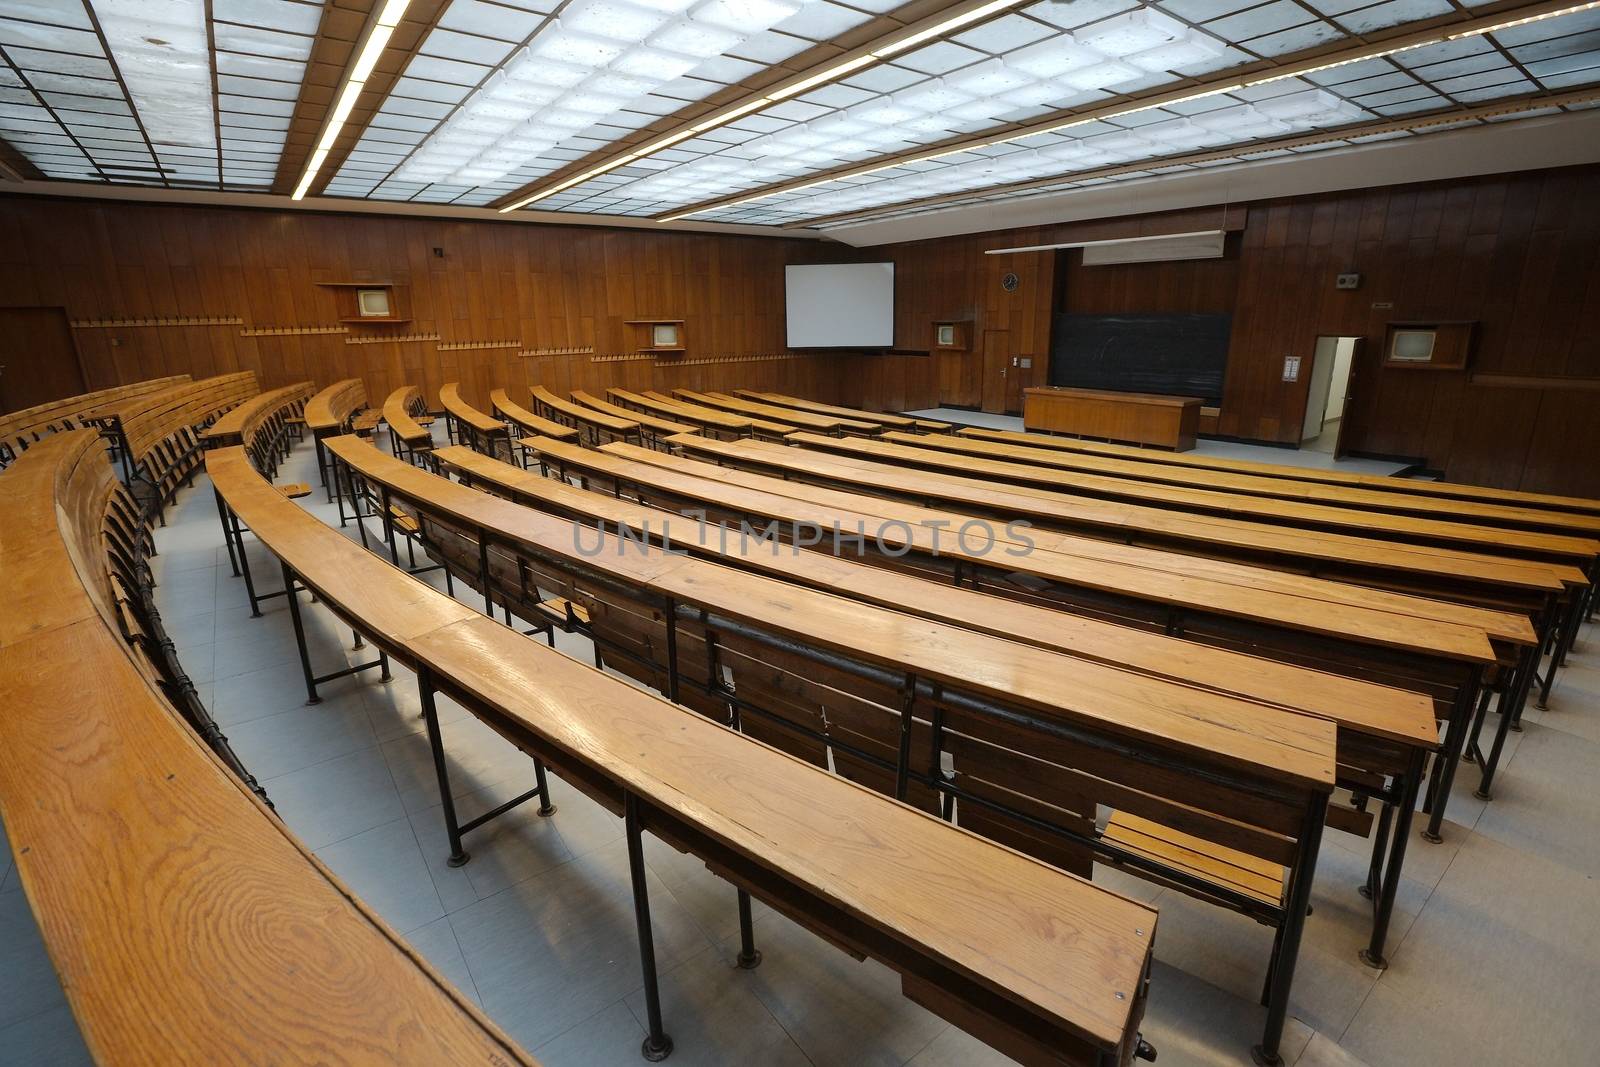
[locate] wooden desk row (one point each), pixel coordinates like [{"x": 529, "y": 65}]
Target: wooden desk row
[
  {"x": 871, "y": 668},
  {"x": 1456, "y": 490},
  {"x": 1382, "y": 731},
  {"x": 20, "y": 429},
  {"x": 1045, "y": 966},
  {"x": 1397, "y": 640},
  {"x": 329, "y": 412},
  {"x": 408, "y": 437},
  {"x": 885, "y": 420},
  {"x": 520, "y": 422},
  {"x": 470, "y": 426},
  {"x": 186, "y": 923},
  {"x": 1518, "y": 546}
]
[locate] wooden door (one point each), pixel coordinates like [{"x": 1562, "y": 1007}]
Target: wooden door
[
  {"x": 38, "y": 359},
  {"x": 1360, "y": 343},
  {"x": 998, "y": 374}
]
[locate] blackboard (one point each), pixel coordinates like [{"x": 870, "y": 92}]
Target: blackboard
[{"x": 1174, "y": 355}]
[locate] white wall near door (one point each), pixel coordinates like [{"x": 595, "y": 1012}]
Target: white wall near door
[
  {"x": 1344, "y": 349},
  {"x": 1322, "y": 362}
]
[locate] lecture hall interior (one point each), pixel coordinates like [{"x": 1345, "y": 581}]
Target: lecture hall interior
[{"x": 799, "y": 532}]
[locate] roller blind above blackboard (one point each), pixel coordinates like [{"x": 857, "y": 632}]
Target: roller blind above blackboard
[{"x": 1175, "y": 355}]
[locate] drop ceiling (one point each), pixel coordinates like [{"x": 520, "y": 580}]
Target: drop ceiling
[{"x": 800, "y": 116}]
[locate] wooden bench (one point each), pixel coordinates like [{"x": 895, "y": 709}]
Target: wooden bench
[
  {"x": 653, "y": 429},
  {"x": 787, "y": 645},
  {"x": 261, "y": 425},
  {"x": 594, "y": 427},
  {"x": 1509, "y": 516},
  {"x": 880, "y": 418},
  {"x": 1543, "y": 593},
  {"x": 1387, "y": 483},
  {"x": 1043, "y": 965},
  {"x": 20, "y": 429},
  {"x": 408, "y": 438},
  {"x": 1384, "y": 733},
  {"x": 710, "y": 421},
  {"x": 764, "y": 423},
  {"x": 161, "y": 430},
  {"x": 529, "y": 423},
  {"x": 330, "y": 412},
  {"x": 1361, "y": 633},
  {"x": 187, "y": 924},
  {"x": 472, "y": 427},
  {"x": 803, "y": 420}
]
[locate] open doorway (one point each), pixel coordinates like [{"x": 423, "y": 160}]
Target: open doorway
[{"x": 1330, "y": 389}]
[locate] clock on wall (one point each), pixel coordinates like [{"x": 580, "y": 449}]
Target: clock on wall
[{"x": 1008, "y": 282}]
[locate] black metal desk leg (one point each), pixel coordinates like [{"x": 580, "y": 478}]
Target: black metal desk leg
[
  {"x": 657, "y": 1045},
  {"x": 244, "y": 562},
  {"x": 546, "y": 809},
  {"x": 222, "y": 515},
  {"x": 1508, "y": 721},
  {"x": 336, "y": 492},
  {"x": 749, "y": 959},
  {"x": 1444, "y": 772},
  {"x": 1287, "y": 950},
  {"x": 300, "y": 635},
  {"x": 1373, "y": 955},
  {"x": 430, "y": 718}
]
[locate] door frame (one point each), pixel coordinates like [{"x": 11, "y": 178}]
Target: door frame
[{"x": 995, "y": 393}]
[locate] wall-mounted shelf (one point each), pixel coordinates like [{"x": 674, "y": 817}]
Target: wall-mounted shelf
[
  {"x": 374, "y": 303},
  {"x": 951, "y": 335},
  {"x": 659, "y": 335}
]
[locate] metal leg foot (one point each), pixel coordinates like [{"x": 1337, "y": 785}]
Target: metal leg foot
[{"x": 749, "y": 958}]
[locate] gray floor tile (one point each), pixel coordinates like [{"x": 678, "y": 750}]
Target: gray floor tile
[
  {"x": 385, "y": 867},
  {"x": 713, "y": 1018},
  {"x": 48, "y": 1039},
  {"x": 836, "y": 1009},
  {"x": 609, "y": 1038},
  {"x": 437, "y": 943},
  {"x": 553, "y": 950},
  {"x": 336, "y": 799},
  {"x": 28, "y": 982}
]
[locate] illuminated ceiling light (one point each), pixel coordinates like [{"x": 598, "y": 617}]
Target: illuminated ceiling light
[
  {"x": 372, "y": 47},
  {"x": 1540, "y": 17},
  {"x": 876, "y": 53}
]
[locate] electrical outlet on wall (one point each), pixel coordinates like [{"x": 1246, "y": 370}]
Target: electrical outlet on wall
[{"x": 1291, "y": 368}]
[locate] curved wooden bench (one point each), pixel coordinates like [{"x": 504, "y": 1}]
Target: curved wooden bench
[
  {"x": 261, "y": 425},
  {"x": 595, "y": 427},
  {"x": 884, "y": 419},
  {"x": 408, "y": 438},
  {"x": 762, "y": 425},
  {"x": 999, "y": 967},
  {"x": 803, "y": 420},
  {"x": 652, "y": 429},
  {"x": 472, "y": 427},
  {"x": 329, "y": 412},
  {"x": 1382, "y": 482},
  {"x": 20, "y": 429},
  {"x": 186, "y": 923},
  {"x": 527, "y": 422},
  {"x": 161, "y": 430},
  {"x": 712, "y": 423}
]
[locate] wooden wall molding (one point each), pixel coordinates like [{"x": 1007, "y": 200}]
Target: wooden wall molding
[{"x": 154, "y": 323}]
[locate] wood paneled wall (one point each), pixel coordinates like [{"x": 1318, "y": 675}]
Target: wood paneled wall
[
  {"x": 175, "y": 279},
  {"x": 1518, "y": 253}
]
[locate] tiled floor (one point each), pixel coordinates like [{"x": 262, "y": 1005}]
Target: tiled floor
[{"x": 1495, "y": 951}]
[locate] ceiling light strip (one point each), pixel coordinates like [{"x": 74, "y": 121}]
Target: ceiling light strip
[
  {"x": 372, "y": 46},
  {"x": 1106, "y": 241},
  {"x": 1050, "y": 184},
  {"x": 1486, "y": 24},
  {"x": 891, "y": 44}
]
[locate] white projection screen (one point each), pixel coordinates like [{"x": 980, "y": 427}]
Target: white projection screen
[{"x": 840, "y": 305}]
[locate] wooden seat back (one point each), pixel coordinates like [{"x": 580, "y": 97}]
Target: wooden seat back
[
  {"x": 329, "y": 410},
  {"x": 712, "y": 423},
  {"x": 400, "y": 411},
  {"x": 652, "y": 428},
  {"x": 19, "y": 429},
  {"x": 595, "y": 427},
  {"x": 527, "y": 421}
]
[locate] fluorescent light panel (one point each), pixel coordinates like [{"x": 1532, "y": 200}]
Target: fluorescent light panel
[
  {"x": 372, "y": 47},
  {"x": 163, "y": 55},
  {"x": 1108, "y": 241},
  {"x": 1140, "y": 27}
]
